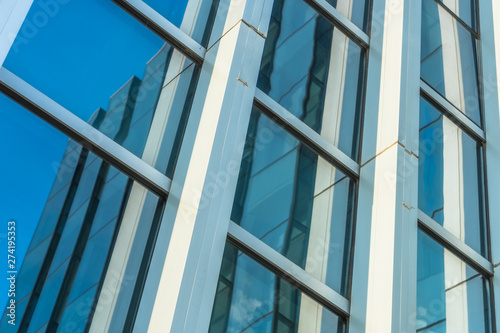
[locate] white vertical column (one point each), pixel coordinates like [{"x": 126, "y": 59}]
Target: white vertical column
[
  {"x": 182, "y": 279},
  {"x": 383, "y": 297},
  {"x": 490, "y": 59}
]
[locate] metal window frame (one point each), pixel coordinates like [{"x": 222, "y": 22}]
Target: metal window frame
[
  {"x": 83, "y": 133},
  {"x": 257, "y": 249},
  {"x": 462, "y": 22},
  {"x": 464, "y": 122},
  {"x": 287, "y": 270},
  {"x": 164, "y": 28},
  {"x": 119, "y": 157},
  {"x": 340, "y": 21},
  {"x": 306, "y": 135},
  {"x": 454, "y": 244}
]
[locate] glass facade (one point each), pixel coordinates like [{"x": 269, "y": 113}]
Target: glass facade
[
  {"x": 111, "y": 67},
  {"x": 448, "y": 59},
  {"x": 312, "y": 69},
  {"x": 247, "y": 186},
  {"x": 452, "y": 296},
  {"x": 180, "y": 13},
  {"x": 250, "y": 298},
  {"x": 451, "y": 178},
  {"x": 67, "y": 257},
  {"x": 296, "y": 202}
]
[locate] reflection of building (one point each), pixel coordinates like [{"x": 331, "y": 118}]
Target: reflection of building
[
  {"x": 88, "y": 202},
  {"x": 281, "y": 166}
]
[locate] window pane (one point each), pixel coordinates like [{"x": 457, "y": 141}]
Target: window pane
[
  {"x": 88, "y": 202},
  {"x": 465, "y": 9},
  {"x": 75, "y": 315},
  {"x": 100, "y": 63},
  {"x": 448, "y": 59},
  {"x": 354, "y": 10},
  {"x": 29, "y": 148},
  {"x": 451, "y": 296},
  {"x": 47, "y": 298},
  {"x": 315, "y": 72},
  {"x": 295, "y": 201},
  {"x": 194, "y": 17},
  {"x": 252, "y": 299},
  {"x": 451, "y": 177}
]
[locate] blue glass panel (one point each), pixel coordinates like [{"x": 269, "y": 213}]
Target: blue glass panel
[
  {"x": 295, "y": 201},
  {"x": 252, "y": 299},
  {"x": 451, "y": 178},
  {"x": 31, "y": 268},
  {"x": 448, "y": 59},
  {"x": 466, "y": 10},
  {"x": 47, "y": 298},
  {"x": 109, "y": 70},
  {"x": 93, "y": 260},
  {"x": 355, "y": 10},
  {"x": 31, "y": 150},
  {"x": 315, "y": 72},
  {"x": 451, "y": 296},
  {"x": 76, "y": 313},
  {"x": 193, "y": 17},
  {"x": 110, "y": 201}
]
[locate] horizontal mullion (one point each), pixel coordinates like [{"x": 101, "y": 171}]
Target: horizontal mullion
[
  {"x": 458, "y": 19},
  {"x": 452, "y": 112},
  {"x": 454, "y": 244},
  {"x": 164, "y": 28},
  {"x": 287, "y": 270},
  {"x": 307, "y": 135},
  {"x": 339, "y": 20},
  {"x": 83, "y": 133}
]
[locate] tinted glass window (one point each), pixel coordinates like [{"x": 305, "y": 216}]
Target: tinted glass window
[
  {"x": 110, "y": 71},
  {"x": 295, "y": 201},
  {"x": 252, "y": 299},
  {"x": 448, "y": 59},
  {"x": 315, "y": 72},
  {"x": 451, "y": 177},
  {"x": 451, "y": 296}
]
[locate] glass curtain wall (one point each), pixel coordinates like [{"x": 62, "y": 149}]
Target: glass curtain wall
[
  {"x": 289, "y": 196},
  {"x": 452, "y": 296},
  {"x": 133, "y": 87}
]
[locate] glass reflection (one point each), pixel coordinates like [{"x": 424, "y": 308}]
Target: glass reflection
[
  {"x": 67, "y": 259},
  {"x": 448, "y": 59},
  {"x": 464, "y": 9},
  {"x": 354, "y": 10},
  {"x": 252, "y": 299},
  {"x": 451, "y": 296},
  {"x": 295, "y": 201},
  {"x": 109, "y": 70},
  {"x": 194, "y": 17},
  {"x": 315, "y": 72},
  {"x": 30, "y": 152},
  {"x": 451, "y": 177}
]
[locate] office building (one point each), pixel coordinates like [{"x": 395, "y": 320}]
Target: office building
[{"x": 252, "y": 165}]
